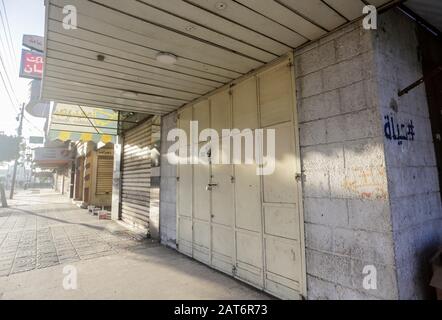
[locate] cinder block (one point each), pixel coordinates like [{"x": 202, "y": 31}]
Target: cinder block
[
  {"x": 343, "y": 240},
  {"x": 316, "y": 59},
  {"x": 408, "y": 181},
  {"x": 364, "y": 153},
  {"x": 323, "y": 157},
  {"x": 319, "y": 289},
  {"x": 318, "y": 237},
  {"x": 353, "y": 97},
  {"x": 311, "y": 84},
  {"x": 316, "y": 184},
  {"x": 372, "y": 247},
  {"x": 349, "y": 45},
  {"x": 345, "y": 293},
  {"x": 333, "y": 268},
  {"x": 319, "y": 107},
  {"x": 369, "y": 215},
  {"x": 312, "y": 133},
  {"x": 359, "y": 183},
  {"x": 353, "y": 126},
  {"x": 326, "y": 211},
  {"x": 344, "y": 73}
]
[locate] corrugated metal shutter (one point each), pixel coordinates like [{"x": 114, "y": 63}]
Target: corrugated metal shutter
[
  {"x": 136, "y": 175},
  {"x": 104, "y": 175}
]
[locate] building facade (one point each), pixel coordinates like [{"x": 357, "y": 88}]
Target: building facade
[{"x": 355, "y": 189}]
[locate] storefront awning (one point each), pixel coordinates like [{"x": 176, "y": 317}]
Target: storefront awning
[
  {"x": 154, "y": 56},
  {"x": 81, "y": 123}
]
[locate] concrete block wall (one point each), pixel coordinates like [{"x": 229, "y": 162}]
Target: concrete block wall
[
  {"x": 411, "y": 165},
  {"x": 346, "y": 206},
  {"x": 167, "y": 186},
  {"x": 367, "y": 201}
]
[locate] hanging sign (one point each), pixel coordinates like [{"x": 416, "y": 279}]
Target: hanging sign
[
  {"x": 31, "y": 64},
  {"x": 33, "y": 42}
]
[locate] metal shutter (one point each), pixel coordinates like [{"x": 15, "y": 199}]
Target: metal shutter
[
  {"x": 104, "y": 175},
  {"x": 136, "y": 173}
]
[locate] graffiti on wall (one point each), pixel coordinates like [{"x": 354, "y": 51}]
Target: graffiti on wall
[
  {"x": 366, "y": 183},
  {"x": 397, "y": 131}
]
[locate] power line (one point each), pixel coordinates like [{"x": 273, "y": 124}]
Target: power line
[
  {"x": 9, "y": 33},
  {"x": 10, "y": 59},
  {"x": 9, "y": 95},
  {"x": 32, "y": 125},
  {"x": 9, "y": 79}
]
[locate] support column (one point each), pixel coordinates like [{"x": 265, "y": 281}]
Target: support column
[{"x": 116, "y": 185}]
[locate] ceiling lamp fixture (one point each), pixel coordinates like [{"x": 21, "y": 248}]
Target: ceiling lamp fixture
[
  {"x": 221, "y": 6},
  {"x": 167, "y": 58}
]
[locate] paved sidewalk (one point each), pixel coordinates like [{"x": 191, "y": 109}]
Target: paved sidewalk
[{"x": 42, "y": 232}]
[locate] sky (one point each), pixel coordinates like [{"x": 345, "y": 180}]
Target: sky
[{"x": 25, "y": 17}]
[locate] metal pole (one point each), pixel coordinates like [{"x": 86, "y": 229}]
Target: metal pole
[{"x": 20, "y": 132}]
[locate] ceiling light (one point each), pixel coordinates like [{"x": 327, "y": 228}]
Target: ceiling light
[
  {"x": 221, "y": 5},
  {"x": 167, "y": 58}
]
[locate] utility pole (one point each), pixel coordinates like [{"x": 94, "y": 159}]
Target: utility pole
[{"x": 20, "y": 133}]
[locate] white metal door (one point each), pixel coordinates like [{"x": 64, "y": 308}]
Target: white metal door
[
  {"x": 185, "y": 191},
  {"x": 248, "y": 217},
  {"x": 230, "y": 217},
  {"x": 222, "y": 179},
  {"x": 282, "y": 229},
  {"x": 201, "y": 197}
]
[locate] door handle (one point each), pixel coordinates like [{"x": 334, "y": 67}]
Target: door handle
[{"x": 210, "y": 186}]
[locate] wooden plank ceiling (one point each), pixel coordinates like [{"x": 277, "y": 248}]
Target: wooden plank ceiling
[{"x": 215, "y": 42}]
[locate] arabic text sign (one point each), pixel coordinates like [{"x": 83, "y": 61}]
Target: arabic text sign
[
  {"x": 52, "y": 154},
  {"x": 31, "y": 65},
  {"x": 33, "y": 42}
]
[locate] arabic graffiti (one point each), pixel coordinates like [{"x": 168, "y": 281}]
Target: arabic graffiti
[{"x": 399, "y": 132}]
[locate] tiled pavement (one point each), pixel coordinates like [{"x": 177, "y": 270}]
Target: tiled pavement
[
  {"x": 41, "y": 234},
  {"x": 41, "y": 230}
]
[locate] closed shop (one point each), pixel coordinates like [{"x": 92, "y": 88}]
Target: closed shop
[
  {"x": 105, "y": 161},
  {"x": 136, "y": 175},
  {"x": 97, "y": 173},
  {"x": 229, "y": 217}
]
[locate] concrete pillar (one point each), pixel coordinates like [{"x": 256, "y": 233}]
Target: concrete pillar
[{"x": 116, "y": 186}]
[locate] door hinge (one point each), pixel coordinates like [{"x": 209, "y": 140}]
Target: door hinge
[
  {"x": 232, "y": 179},
  {"x": 298, "y": 177}
]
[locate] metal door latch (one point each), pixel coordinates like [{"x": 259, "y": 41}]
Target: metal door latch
[{"x": 210, "y": 186}]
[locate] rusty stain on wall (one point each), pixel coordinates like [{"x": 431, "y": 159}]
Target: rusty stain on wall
[{"x": 367, "y": 183}]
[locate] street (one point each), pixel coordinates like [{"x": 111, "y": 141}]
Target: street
[{"x": 42, "y": 233}]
